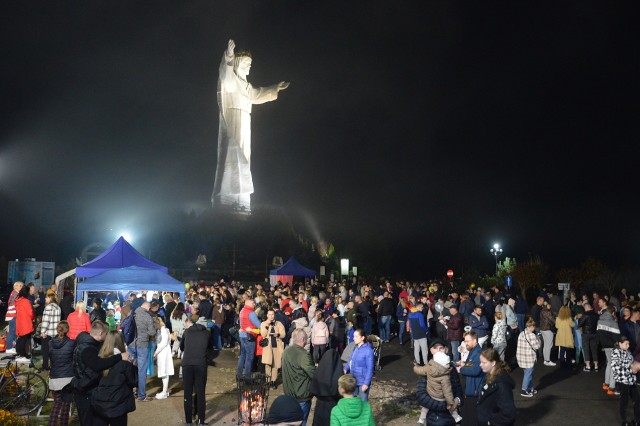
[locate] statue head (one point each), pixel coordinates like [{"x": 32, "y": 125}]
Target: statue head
[{"x": 242, "y": 63}]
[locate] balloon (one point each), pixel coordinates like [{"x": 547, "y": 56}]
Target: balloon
[
  {"x": 186, "y": 286},
  {"x": 439, "y": 307}
]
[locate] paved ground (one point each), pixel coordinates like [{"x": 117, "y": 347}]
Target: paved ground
[{"x": 565, "y": 397}]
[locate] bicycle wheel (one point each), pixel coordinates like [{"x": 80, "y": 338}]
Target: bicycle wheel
[{"x": 23, "y": 394}]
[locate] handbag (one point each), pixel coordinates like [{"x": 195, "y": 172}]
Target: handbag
[{"x": 264, "y": 342}]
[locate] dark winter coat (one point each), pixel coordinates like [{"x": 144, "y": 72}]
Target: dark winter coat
[
  {"x": 455, "y": 330},
  {"x": 114, "y": 395},
  {"x": 589, "y": 322},
  {"x": 495, "y": 402},
  {"x": 438, "y": 414},
  {"x": 61, "y": 355}
]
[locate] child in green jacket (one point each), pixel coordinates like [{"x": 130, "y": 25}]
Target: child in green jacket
[{"x": 350, "y": 411}]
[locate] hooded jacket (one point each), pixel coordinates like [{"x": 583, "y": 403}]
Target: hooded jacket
[
  {"x": 495, "y": 402},
  {"x": 352, "y": 412}
]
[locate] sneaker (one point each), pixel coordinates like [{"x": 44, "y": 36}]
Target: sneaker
[
  {"x": 605, "y": 386},
  {"x": 420, "y": 421},
  {"x": 586, "y": 369},
  {"x": 612, "y": 392},
  {"x": 11, "y": 351},
  {"x": 162, "y": 395},
  {"x": 145, "y": 399},
  {"x": 22, "y": 359},
  {"x": 533, "y": 391},
  {"x": 550, "y": 363},
  {"x": 526, "y": 394}
]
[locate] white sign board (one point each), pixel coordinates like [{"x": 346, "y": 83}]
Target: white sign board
[{"x": 563, "y": 286}]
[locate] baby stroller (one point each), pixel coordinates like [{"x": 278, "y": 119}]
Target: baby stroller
[{"x": 376, "y": 344}]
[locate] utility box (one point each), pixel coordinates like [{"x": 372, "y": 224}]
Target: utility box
[{"x": 32, "y": 271}]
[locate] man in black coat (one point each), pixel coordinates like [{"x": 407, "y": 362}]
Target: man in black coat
[
  {"x": 194, "y": 344},
  {"x": 205, "y": 307}
]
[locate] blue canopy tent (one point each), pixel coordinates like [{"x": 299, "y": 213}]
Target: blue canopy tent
[
  {"x": 288, "y": 270},
  {"x": 131, "y": 278},
  {"x": 120, "y": 255}
]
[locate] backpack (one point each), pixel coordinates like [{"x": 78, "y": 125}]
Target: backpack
[{"x": 129, "y": 329}]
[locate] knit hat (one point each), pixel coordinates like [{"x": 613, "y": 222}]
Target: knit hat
[{"x": 285, "y": 409}]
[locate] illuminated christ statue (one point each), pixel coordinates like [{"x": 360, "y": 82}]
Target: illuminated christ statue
[{"x": 233, "y": 186}]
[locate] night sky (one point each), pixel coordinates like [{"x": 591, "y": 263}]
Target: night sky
[{"x": 433, "y": 128}]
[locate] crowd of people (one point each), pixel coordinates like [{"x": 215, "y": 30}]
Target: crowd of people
[{"x": 318, "y": 341}]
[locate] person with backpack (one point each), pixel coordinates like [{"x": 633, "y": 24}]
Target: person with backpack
[
  {"x": 88, "y": 366},
  {"x": 139, "y": 347}
]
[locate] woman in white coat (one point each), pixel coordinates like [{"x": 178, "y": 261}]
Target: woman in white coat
[{"x": 163, "y": 357}]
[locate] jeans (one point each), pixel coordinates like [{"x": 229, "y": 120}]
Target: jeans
[
  {"x": 247, "y": 352},
  {"x": 577, "y": 342},
  {"x": 401, "y": 330},
  {"x": 384, "y": 324},
  {"x": 11, "y": 336},
  {"x": 306, "y": 408},
  {"x": 547, "y": 336},
  {"x": 455, "y": 344},
  {"x": 141, "y": 355},
  {"x": 364, "y": 396},
  {"x": 216, "y": 337},
  {"x": 367, "y": 325},
  {"x": 520, "y": 318},
  {"x": 527, "y": 381}
]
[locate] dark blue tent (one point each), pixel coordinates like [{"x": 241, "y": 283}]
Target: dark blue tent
[
  {"x": 132, "y": 278},
  {"x": 292, "y": 267},
  {"x": 120, "y": 255}
]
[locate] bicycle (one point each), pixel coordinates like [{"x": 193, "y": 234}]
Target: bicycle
[{"x": 21, "y": 393}]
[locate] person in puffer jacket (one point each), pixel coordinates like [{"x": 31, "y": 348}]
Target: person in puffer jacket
[
  {"x": 61, "y": 357},
  {"x": 350, "y": 410},
  {"x": 625, "y": 378},
  {"x": 360, "y": 364}
]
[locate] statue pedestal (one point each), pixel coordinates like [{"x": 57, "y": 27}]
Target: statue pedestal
[{"x": 236, "y": 204}]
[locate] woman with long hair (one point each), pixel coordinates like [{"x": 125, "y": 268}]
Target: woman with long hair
[
  {"x": 564, "y": 336},
  {"x": 24, "y": 324},
  {"x": 360, "y": 364},
  {"x": 78, "y": 321},
  {"x": 495, "y": 402},
  {"x": 61, "y": 356},
  {"x": 526, "y": 354},
  {"x": 274, "y": 332},
  {"x": 50, "y": 320},
  {"x": 113, "y": 399},
  {"x": 402, "y": 311},
  {"x": 319, "y": 337},
  {"x": 163, "y": 356},
  {"x": 178, "y": 319},
  {"x": 547, "y": 323}
]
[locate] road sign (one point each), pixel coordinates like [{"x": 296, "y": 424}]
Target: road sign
[
  {"x": 450, "y": 273},
  {"x": 564, "y": 286},
  {"x": 509, "y": 281}
]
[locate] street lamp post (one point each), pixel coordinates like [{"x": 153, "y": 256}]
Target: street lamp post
[{"x": 496, "y": 251}]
